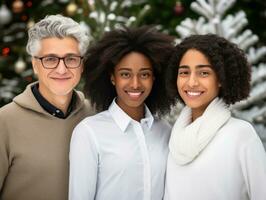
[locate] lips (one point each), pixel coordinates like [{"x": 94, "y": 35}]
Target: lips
[{"x": 61, "y": 78}]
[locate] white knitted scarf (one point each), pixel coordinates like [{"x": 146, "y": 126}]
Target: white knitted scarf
[{"x": 189, "y": 139}]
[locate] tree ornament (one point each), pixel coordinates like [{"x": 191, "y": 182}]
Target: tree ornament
[
  {"x": 91, "y": 4},
  {"x": 20, "y": 65},
  {"x": 5, "y": 15},
  {"x": 24, "y": 18},
  {"x": 30, "y": 23},
  {"x": 29, "y": 4},
  {"x": 5, "y": 51},
  {"x": 71, "y": 9},
  {"x": 17, "y": 6},
  {"x": 179, "y": 8}
]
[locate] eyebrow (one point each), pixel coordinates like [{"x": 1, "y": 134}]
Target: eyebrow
[
  {"x": 56, "y": 55},
  {"x": 197, "y": 66},
  {"x": 129, "y": 69}
]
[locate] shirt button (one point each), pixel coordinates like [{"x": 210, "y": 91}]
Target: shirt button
[
  {"x": 53, "y": 114},
  {"x": 57, "y": 111}
]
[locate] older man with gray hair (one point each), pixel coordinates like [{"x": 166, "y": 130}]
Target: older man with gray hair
[{"x": 35, "y": 128}]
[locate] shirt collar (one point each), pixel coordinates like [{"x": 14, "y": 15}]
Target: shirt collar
[
  {"x": 148, "y": 117},
  {"x": 49, "y": 107},
  {"x": 123, "y": 120}
]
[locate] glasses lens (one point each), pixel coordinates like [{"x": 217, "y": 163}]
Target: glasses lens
[
  {"x": 72, "y": 61},
  {"x": 50, "y": 61}
]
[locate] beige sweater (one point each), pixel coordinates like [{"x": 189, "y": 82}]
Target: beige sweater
[{"x": 34, "y": 147}]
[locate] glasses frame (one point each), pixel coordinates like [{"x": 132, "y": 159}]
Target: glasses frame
[{"x": 59, "y": 59}]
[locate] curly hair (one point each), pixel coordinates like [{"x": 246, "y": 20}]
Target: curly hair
[
  {"x": 228, "y": 61},
  {"x": 102, "y": 57}
]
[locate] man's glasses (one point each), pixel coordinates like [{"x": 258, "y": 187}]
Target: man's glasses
[{"x": 51, "y": 62}]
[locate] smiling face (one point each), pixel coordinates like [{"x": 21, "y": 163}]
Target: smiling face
[
  {"x": 133, "y": 80},
  {"x": 60, "y": 81},
  {"x": 197, "y": 82}
]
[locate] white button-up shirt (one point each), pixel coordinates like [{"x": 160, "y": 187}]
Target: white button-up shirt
[{"x": 113, "y": 157}]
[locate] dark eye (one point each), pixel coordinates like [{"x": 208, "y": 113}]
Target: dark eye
[
  {"x": 183, "y": 72},
  {"x": 50, "y": 59},
  {"x": 125, "y": 74},
  {"x": 204, "y": 73},
  {"x": 145, "y": 75},
  {"x": 72, "y": 58}
]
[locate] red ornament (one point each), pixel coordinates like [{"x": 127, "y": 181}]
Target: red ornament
[
  {"x": 5, "y": 51},
  {"x": 29, "y": 4},
  {"x": 178, "y": 9},
  {"x": 28, "y": 79},
  {"x": 24, "y": 18}
]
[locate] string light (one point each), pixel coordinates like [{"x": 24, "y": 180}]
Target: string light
[{"x": 5, "y": 51}]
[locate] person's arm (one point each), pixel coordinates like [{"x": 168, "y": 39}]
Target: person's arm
[
  {"x": 3, "y": 153},
  {"x": 253, "y": 163},
  {"x": 83, "y": 164}
]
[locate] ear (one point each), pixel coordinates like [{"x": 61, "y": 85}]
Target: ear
[
  {"x": 82, "y": 68},
  {"x": 34, "y": 67},
  {"x": 112, "y": 78}
]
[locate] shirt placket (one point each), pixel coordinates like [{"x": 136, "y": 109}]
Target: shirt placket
[{"x": 146, "y": 161}]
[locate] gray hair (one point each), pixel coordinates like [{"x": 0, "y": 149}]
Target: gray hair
[{"x": 56, "y": 26}]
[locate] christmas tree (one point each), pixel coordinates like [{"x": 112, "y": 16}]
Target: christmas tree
[
  {"x": 98, "y": 16},
  {"x": 18, "y": 15},
  {"x": 213, "y": 19}
]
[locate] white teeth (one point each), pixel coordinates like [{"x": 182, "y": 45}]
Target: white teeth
[
  {"x": 194, "y": 93},
  {"x": 134, "y": 94}
]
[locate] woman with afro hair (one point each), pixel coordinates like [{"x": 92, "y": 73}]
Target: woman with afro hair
[
  {"x": 213, "y": 156},
  {"x": 121, "y": 152}
]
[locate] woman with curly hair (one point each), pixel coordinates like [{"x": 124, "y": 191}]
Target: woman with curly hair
[
  {"x": 212, "y": 154},
  {"x": 121, "y": 152}
]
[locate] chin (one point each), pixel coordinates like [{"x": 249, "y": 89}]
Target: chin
[
  {"x": 63, "y": 92},
  {"x": 135, "y": 104}
]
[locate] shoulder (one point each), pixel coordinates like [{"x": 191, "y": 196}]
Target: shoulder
[
  {"x": 240, "y": 131},
  {"x": 249, "y": 144},
  {"x": 8, "y": 116},
  {"x": 89, "y": 128},
  {"x": 240, "y": 126},
  {"x": 99, "y": 117},
  {"x": 8, "y": 110},
  {"x": 93, "y": 122}
]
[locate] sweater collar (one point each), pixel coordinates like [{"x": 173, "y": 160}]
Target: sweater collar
[
  {"x": 27, "y": 100},
  {"x": 49, "y": 107},
  {"x": 189, "y": 139}
]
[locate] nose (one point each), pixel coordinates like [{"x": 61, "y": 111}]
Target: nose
[
  {"x": 135, "y": 82},
  {"x": 193, "y": 81},
  {"x": 61, "y": 68}
]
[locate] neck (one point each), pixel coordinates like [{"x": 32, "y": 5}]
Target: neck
[
  {"x": 136, "y": 113},
  {"x": 59, "y": 101},
  {"x": 196, "y": 114},
  {"x": 62, "y": 103}
]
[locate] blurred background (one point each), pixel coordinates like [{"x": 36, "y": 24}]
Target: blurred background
[{"x": 241, "y": 21}]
